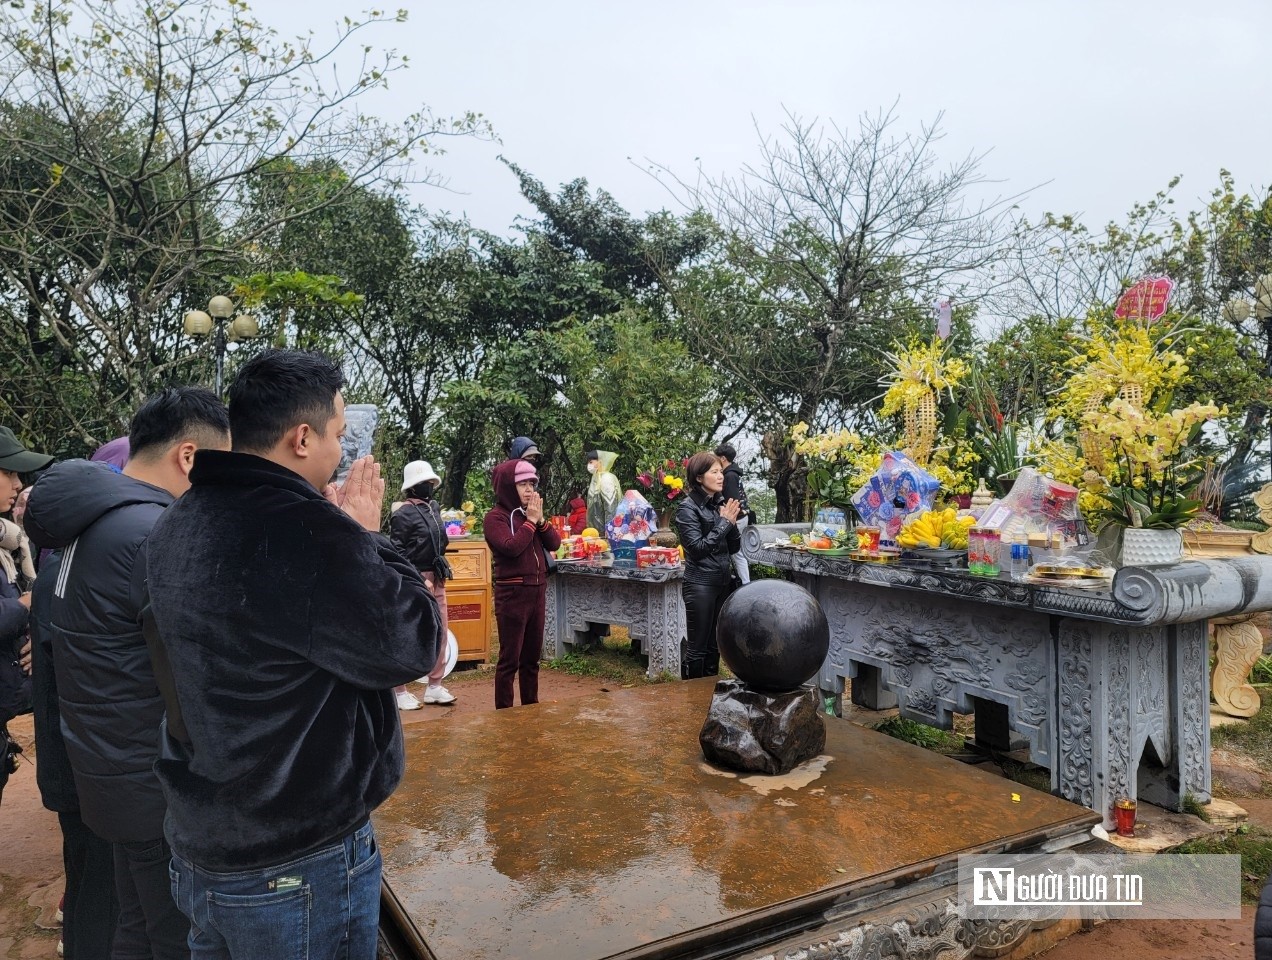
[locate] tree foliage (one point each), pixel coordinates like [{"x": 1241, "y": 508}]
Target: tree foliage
[
  {"x": 134, "y": 141},
  {"x": 832, "y": 244}
]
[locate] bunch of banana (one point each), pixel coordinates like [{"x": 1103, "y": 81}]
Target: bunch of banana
[{"x": 936, "y": 528}]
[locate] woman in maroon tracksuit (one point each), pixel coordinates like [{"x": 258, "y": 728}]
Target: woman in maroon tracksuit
[{"x": 518, "y": 534}]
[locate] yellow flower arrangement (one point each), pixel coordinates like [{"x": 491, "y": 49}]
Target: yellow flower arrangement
[
  {"x": 1123, "y": 356},
  {"x": 1145, "y": 475},
  {"x": 834, "y": 456},
  {"x": 919, "y": 369}
]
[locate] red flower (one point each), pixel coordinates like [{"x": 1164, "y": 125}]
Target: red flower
[
  {"x": 671, "y": 494},
  {"x": 684, "y": 462}
]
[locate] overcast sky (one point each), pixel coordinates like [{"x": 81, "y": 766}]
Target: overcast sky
[{"x": 1100, "y": 101}]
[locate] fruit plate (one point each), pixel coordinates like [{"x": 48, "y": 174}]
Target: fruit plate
[
  {"x": 939, "y": 554},
  {"x": 831, "y": 551}
]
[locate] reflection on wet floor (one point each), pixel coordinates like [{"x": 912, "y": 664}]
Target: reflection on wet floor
[{"x": 583, "y": 828}]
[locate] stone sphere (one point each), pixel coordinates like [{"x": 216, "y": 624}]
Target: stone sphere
[{"x": 773, "y": 635}]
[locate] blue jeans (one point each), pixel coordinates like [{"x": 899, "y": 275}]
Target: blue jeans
[{"x": 324, "y": 905}]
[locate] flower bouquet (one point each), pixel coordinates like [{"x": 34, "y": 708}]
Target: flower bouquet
[
  {"x": 664, "y": 485},
  {"x": 1148, "y": 469}
]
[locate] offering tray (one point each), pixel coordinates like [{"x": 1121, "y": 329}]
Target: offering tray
[{"x": 883, "y": 556}]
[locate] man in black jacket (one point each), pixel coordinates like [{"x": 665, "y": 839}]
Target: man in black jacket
[
  {"x": 279, "y": 621},
  {"x": 90, "y": 905},
  {"x": 106, "y": 692},
  {"x": 733, "y": 490}
]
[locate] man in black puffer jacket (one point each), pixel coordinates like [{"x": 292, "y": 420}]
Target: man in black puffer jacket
[
  {"x": 1263, "y": 924},
  {"x": 106, "y": 690}
]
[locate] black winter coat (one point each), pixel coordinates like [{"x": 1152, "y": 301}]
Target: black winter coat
[
  {"x": 53, "y": 773},
  {"x": 280, "y": 627},
  {"x": 107, "y": 696},
  {"x": 15, "y": 688},
  {"x": 1263, "y": 924},
  {"x": 708, "y": 539},
  {"x": 415, "y": 529},
  {"x": 733, "y": 488}
]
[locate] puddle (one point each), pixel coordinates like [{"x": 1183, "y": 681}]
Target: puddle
[{"x": 797, "y": 779}]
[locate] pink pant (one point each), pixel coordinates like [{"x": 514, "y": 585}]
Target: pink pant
[{"x": 438, "y": 586}]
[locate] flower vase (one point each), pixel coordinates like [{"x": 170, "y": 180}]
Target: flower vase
[{"x": 1148, "y": 548}]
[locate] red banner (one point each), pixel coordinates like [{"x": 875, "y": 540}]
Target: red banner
[{"x": 1146, "y": 300}]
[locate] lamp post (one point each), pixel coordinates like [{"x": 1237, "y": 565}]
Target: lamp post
[
  {"x": 1237, "y": 310},
  {"x": 199, "y": 323}
]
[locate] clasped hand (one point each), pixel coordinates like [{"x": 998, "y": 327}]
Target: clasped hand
[
  {"x": 362, "y": 494},
  {"x": 534, "y": 509},
  {"x": 731, "y": 510}
]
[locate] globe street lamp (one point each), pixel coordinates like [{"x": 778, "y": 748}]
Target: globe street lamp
[
  {"x": 1239, "y": 309},
  {"x": 199, "y": 324}
]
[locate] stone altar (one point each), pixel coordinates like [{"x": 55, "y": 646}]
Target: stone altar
[
  {"x": 1109, "y": 688},
  {"x": 647, "y": 602}
]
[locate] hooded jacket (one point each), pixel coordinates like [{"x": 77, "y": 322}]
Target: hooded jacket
[
  {"x": 280, "y": 627},
  {"x": 517, "y": 449},
  {"x": 578, "y": 515},
  {"x": 107, "y": 696},
  {"x": 516, "y": 544},
  {"x": 603, "y": 492}
]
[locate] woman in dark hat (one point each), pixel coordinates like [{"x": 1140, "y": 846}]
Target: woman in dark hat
[{"x": 15, "y": 595}]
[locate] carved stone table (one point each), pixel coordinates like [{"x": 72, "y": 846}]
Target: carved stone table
[
  {"x": 647, "y": 602},
  {"x": 1110, "y": 688}
]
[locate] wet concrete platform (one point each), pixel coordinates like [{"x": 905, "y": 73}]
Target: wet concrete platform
[{"x": 594, "y": 828}]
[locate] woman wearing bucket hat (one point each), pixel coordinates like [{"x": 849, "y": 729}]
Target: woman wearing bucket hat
[{"x": 415, "y": 527}]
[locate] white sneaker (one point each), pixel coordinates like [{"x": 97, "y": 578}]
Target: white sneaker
[
  {"x": 407, "y": 701},
  {"x": 439, "y": 695}
]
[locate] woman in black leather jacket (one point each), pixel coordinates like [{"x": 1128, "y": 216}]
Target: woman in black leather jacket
[
  {"x": 709, "y": 535},
  {"x": 415, "y": 529}
]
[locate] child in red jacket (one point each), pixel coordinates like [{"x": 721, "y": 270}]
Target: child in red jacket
[
  {"x": 518, "y": 534},
  {"x": 578, "y": 514}
]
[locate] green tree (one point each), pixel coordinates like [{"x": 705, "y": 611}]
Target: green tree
[
  {"x": 132, "y": 139},
  {"x": 832, "y": 246}
]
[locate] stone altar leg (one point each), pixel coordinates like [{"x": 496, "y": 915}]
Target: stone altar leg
[
  {"x": 1129, "y": 696},
  {"x": 1238, "y": 643},
  {"x": 666, "y": 629},
  {"x": 1093, "y": 674},
  {"x": 1190, "y": 661},
  {"x": 555, "y": 630}
]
